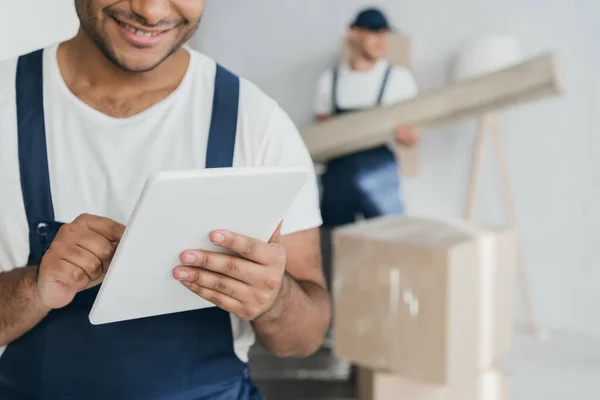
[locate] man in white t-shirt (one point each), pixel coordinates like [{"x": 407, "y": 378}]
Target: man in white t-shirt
[
  {"x": 82, "y": 125},
  {"x": 365, "y": 183}
]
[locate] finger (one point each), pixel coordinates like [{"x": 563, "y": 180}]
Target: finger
[
  {"x": 276, "y": 237},
  {"x": 224, "y": 264},
  {"x": 111, "y": 230},
  {"x": 69, "y": 274},
  {"x": 87, "y": 261},
  {"x": 405, "y": 132},
  {"x": 96, "y": 244},
  {"x": 210, "y": 280},
  {"x": 218, "y": 299},
  {"x": 247, "y": 247}
]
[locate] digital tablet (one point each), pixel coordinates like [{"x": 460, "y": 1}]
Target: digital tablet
[{"x": 176, "y": 212}]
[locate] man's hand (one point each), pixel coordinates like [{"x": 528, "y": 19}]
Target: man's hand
[
  {"x": 77, "y": 259},
  {"x": 248, "y": 287},
  {"x": 407, "y": 135}
]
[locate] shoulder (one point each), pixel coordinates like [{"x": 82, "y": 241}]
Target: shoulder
[
  {"x": 268, "y": 135},
  {"x": 402, "y": 83},
  {"x": 252, "y": 99},
  {"x": 8, "y": 67},
  {"x": 261, "y": 120},
  {"x": 8, "y": 72},
  {"x": 8, "y": 104},
  {"x": 264, "y": 125},
  {"x": 254, "y": 103},
  {"x": 399, "y": 72},
  {"x": 259, "y": 113}
]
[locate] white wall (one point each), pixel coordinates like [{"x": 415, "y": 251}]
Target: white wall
[
  {"x": 283, "y": 45},
  {"x": 27, "y": 25},
  {"x": 552, "y": 146}
]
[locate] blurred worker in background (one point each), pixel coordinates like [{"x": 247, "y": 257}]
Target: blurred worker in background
[
  {"x": 367, "y": 182},
  {"x": 364, "y": 183}
]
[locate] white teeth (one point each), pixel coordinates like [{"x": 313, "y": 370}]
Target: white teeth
[{"x": 138, "y": 32}]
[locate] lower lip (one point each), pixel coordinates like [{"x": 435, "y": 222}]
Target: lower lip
[{"x": 140, "y": 41}]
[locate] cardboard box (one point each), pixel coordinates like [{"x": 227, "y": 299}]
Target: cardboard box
[
  {"x": 493, "y": 385},
  {"x": 429, "y": 300}
]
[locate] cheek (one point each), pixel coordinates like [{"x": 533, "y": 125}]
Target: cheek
[
  {"x": 372, "y": 45},
  {"x": 191, "y": 10},
  {"x": 87, "y": 14},
  {"x": 378, "y": 45}
]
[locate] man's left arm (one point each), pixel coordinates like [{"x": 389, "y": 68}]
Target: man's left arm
[
  {"x": 297, "y": 324},
  {"x": 402, "y": 87},
  {"x": 277, "y": 285}
]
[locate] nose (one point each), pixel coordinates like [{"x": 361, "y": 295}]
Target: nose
[{"x": 153, "y": 11}]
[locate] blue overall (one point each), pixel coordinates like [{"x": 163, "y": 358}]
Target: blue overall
[
  {"x": 180, "y": 356},
  {"x": 364, "y": 183}
]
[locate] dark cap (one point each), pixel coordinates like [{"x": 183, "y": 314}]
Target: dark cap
[{"x": 371, "y": 19}]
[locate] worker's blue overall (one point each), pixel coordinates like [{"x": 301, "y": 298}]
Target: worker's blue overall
[
  {"x": 364, "y": 183},
  {"x": 180, "y": 356}
]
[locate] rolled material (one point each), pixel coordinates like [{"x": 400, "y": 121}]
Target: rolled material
[{"x": 529, "y": 81}]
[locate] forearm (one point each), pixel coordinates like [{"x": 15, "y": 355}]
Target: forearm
[
  {"x": 20, "y": 309},
  {"x": 298, "y": 323}
]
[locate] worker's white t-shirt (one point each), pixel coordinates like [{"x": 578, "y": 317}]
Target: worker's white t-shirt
[
  {"x": 99, "y": 164},
  {"x": 360, "y": 89}
]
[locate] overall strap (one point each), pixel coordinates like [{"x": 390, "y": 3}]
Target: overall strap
[
  {"x": 33, "y": 158},
  {"x": 334, "y": 89},
  {"x": 223, "y": 125},
  {"x": 192, "y": 353},
  {"x": 386, "y": 78}
]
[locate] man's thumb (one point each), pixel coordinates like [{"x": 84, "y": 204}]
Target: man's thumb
[{"x": 276, "y": 237}]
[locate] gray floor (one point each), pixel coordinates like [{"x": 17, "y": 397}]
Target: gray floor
[{"x": 566, "y": 367}]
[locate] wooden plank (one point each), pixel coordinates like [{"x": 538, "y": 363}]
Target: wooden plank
[{"x": 529, "y": 81}]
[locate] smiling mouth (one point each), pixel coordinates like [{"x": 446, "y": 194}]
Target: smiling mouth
[{"x": 139, "y": 31}]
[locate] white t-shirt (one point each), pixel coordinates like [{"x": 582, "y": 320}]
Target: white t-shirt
[
  {"x": 99, "y": 164},
  {"x": 360, "y": 90}
]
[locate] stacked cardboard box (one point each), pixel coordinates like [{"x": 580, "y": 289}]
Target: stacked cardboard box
[
  {"x": 425, "y": 307},
  {"x": 492, "y": 385}
]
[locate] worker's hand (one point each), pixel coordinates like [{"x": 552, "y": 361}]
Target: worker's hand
[
  {"x": 407, "y": 135},
  {"x": 77, "y": 259},
  {"x": 247, "y": 285}
]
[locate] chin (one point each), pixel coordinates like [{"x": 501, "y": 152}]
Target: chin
[
  {"x": 139, "y": 68},
  {"x": 373, "y": 55},
  {"x": 133, "y": 65},
  {"x": 142, "y": 63},
  {"x": 134, "y": 60},
  {"x": 131, "y": 58}
]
